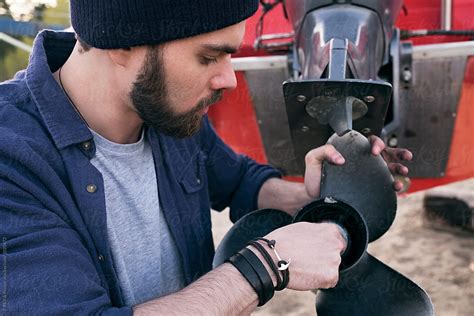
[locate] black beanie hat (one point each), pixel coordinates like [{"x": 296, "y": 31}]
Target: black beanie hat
[{"x": 109, "y": 24}]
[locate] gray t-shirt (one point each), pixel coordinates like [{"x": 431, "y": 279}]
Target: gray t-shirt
[{"x": 144, "y": 253}]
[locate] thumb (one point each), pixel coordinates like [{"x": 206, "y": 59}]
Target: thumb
[{"x": 314, "y": 162}]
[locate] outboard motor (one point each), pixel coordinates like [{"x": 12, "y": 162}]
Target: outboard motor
[{"x": 339, "y": 48}]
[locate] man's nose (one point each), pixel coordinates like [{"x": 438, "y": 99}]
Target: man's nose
[{"x": 225, "y": 79}]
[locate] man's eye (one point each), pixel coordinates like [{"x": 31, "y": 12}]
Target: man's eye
[{"x": 206, "y": 60}]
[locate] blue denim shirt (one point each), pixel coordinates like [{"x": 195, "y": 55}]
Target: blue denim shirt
[{"x": 55, "y": 254}]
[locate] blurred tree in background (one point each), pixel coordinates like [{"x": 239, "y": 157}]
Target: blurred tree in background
[
  {"x": 6, "y": 50},
  {"x": 13, "y": 59}
]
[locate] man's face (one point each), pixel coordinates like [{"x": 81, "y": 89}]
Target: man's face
[{"x": 181, "y": 79}]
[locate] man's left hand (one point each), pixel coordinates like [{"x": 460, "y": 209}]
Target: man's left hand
[
  {"x": 314, "y": 160},
  {"x": 394, "y": 157}
]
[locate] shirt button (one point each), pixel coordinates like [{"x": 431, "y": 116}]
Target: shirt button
[
  {"x": 91, "y": 188},
  {"x": 86, "y": 145},
  {"x": 101, "y": 258}
]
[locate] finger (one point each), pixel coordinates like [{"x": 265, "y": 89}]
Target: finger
[
  {"x": 398, "y": 168},
  {"x": 397, "y": 185},
  {"x": 316, "y": 156},
  {"x": 330, "y": 278},
  {"x": 405, "y": 155},
  {"x": 340, "y": 234},
  {"x": 377, "y": 145},
  {"x": 401, "y": 183},
  {"x": 314, "y": 160},
  {"x": 397, "y": 155}
]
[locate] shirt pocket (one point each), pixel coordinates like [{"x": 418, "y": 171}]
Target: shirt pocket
[{"x": 193, "y": 178}]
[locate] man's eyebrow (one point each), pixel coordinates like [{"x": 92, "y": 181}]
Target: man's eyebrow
[{"x": 221, "y": 48}]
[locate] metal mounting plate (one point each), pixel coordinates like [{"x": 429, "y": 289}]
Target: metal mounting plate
[{"x": 308, "y": 133}]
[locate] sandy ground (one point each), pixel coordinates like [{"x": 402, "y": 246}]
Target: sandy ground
[{"x": 438, "y": 258}]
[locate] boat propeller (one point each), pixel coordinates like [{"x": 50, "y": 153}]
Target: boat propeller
[{"x": 359, "y": 197}]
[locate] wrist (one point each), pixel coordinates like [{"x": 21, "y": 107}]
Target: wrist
[
  {"x": 283, "y": 195},
  {"x": 265, "y": 263},
  {"x": 278, "y": 266},
  {"x": 300, "y": 197},
  {"x": 253, "y": 270},
  {"x": 249, "y": 296}
]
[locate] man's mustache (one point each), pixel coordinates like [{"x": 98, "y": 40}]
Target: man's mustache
[{"x": 215, "y": 97}]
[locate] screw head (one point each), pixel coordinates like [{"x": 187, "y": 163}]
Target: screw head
[
  {"x": 406, "y": 75},
  {"x": 393, "y": 142},
  {"x": 305, "y": 129},
  {"x": 301, "y": 98},
  {"x": 369, "y": 99}
]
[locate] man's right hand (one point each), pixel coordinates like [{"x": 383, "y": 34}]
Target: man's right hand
[{"x": 315, "y": 252}]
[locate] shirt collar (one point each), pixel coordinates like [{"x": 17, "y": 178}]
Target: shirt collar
[{"x": 50, "y": 51}]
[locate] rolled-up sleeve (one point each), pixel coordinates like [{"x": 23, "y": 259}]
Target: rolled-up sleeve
[{"x": 234, "y": 180}]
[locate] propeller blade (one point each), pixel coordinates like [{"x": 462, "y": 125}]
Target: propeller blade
[
  {"x": 368, "y": 287},
  {"x": 256, "y": 224},
  {"x": 364, "y": 182},
  {"x": 373, "y": 288}
]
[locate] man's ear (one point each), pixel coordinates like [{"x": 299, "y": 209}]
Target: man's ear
[{"x": 121, "y": 57}]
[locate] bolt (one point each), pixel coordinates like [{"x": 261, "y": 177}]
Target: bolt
[
  {"x": 328, "y": 93},
  {"x": 406, "y": 75},
  {"x": 301, "y": 98},
  {"x": 453, "y": 114},
  {"x": 369, "y": 99},
  {"x": 393, "y": 141},
  {"x": 305, "y": 129}
]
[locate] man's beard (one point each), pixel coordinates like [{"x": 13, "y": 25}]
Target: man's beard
[{"x": 150, "y": 99}]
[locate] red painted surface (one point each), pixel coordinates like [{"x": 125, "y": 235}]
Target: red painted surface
[
  {"x": 235, "y": 121},
  {"x": 421, "y": 14},
  {"x": 463, "y": 14},
  {"x": 461, "y": 158},
  {"x": 426, "y": 14},
  {"x": 275, "y": 22}
]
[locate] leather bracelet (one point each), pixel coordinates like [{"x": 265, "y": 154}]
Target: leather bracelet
[
  {"x": 270, "y": 262},
  {"x": 282, "y": 264},
  {"x": 253, "y": 270},
  {"x": 239, "y": 262},
  {"x": 267, "y": 284}
]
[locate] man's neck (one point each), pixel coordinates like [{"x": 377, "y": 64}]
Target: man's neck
[{"x": 89, "y": 82}]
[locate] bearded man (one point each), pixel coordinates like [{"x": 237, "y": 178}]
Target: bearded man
[{"x": 109, "y": 168}]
